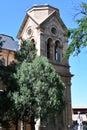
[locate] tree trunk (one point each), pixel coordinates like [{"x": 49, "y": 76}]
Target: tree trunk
[
  {"x": 32, "y": 123},
  {"x": 0, "y": 127},
  {"x": 16, "y": 127},
  {"x": 22, "y": 124}
]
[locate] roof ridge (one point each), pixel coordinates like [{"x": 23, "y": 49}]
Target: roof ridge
[{"x": 7, "y": 36}]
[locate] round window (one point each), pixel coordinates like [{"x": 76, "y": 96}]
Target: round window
[
  {"x": 53, "y": 30},
  {"x": 29, "y": 31}
]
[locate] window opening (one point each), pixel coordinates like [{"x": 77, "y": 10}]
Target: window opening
[
  {"x": 33, "y": 41},
  {"x": 56, "y": 52},
  {"x": 49, "y": 48}
]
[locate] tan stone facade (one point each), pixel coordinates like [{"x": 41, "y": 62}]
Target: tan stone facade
[
  {"x": 7, "y": 51},
  {"x": 42, "y": 25},
  {"x": 7, "y": 56}
]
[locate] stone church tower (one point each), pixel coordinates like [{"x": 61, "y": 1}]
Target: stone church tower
[{"x": 43, "y": 26}]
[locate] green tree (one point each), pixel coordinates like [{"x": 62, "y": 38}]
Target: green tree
[
  {"x": 40, "y": 90},
  {"x": 27, "y": 51},
  {"x": 7, "y": 113},
  {"x": 78, "y": 35},
  {"x": 5, "y": 110},
  {"x": 7, "y": 76},
  {"x": 33, "y": 87}
]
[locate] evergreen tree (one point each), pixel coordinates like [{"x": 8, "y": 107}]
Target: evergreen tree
[
  {"x": 26, "y": 52},
  {"x": 34, "y": 88},
  {"x": 40, "y": 90}
]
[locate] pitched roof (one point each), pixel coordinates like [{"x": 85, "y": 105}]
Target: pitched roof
[
  {"x": 8, "y": 42},
  {"x": 39, "y": 22},
  {"x": 51, "y": 15},
  {"x": 23, "y": 24}
]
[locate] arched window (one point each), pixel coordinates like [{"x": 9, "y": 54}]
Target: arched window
[
  {"x": 49, "y": 41},
  {"x": 56, "y": 52},
  {"x": 33, "y": 41},
  {"x": 57, "y": 55},
  {"x": 48, "y": 50}
]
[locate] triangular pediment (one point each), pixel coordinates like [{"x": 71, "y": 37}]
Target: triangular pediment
[
  {"x": 53, "y": 19},
  {"x": 38, "y": 15},
  {"x": 24, "y": 24},
  {"x": 34, "y": 19}
]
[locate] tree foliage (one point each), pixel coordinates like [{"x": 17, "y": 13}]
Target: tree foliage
[
  {"x": 43, "y": 86},
  {"x": 33, "y": 86},
  {"x": 78, "y": 35},
  {"x": 26, "y": 52}
]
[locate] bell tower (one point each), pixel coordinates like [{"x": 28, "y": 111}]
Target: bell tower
[{"x": 44, "y": 27}]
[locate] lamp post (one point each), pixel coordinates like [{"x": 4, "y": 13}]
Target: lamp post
[{"x": 79, "y": 121}]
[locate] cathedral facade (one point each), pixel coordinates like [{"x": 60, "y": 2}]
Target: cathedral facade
[{"x": 44, "y": 27}]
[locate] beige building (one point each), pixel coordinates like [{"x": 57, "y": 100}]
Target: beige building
[
  {"x": 7, "y": 50},
  {"x": 44, "y": 27}
]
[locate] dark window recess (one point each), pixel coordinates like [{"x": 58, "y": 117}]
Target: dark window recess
[
  {"x": 48, "y": 50},
  {"x": 53, "y": 30}
]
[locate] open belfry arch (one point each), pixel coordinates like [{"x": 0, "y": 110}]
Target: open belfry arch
[{"x": 43, "y": 26}]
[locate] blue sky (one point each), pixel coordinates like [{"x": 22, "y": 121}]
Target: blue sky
[{"x": 11, "y": 16}]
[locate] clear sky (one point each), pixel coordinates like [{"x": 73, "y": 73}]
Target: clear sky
[{"x": 12, "y": 13}]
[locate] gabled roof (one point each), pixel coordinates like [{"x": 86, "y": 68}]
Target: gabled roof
[
  {"x": 39, "y": 23},
  {"x": 23, "y": 24},
  {"x": 8, "y": 43},
  {"x": 54, "y": 13}
]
